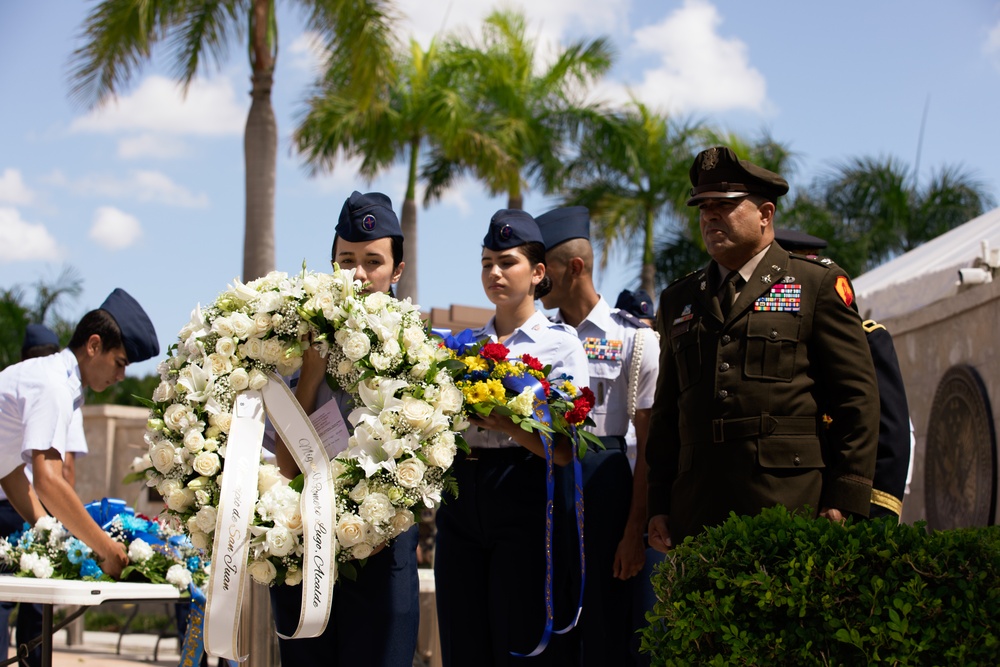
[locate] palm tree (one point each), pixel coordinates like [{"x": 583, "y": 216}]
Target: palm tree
[
  {"x": 16, "y": 312},
  {"x": 872, "y": 209},
  {"x": 120, "y": 35},
  {"x": 527, "y": 110},
  {"x": 631, "y": 172},
  {"x": 419, "y": 109}
]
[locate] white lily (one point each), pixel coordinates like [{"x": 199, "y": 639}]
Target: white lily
[
  {"x": 199, "y": 383},
  {"x": 381, "y": 398}
]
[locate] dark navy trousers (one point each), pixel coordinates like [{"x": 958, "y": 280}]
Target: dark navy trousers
[
  {"x": 374, "y": 620},
  {"x": 29, "y": 616}
]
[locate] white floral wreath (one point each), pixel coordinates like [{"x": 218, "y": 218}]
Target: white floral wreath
[{"x": 406, "y": 422}]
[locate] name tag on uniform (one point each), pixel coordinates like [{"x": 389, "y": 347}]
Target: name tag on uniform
[
  {"x": 784, "y": 298},
  {"x": 602, "y": 348}
]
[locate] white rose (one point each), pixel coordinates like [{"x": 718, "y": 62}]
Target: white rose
[
  {"x": 419, "y": 371},
  {"x": 345, "y": 366},
  {"x": 141, "y": 463},
  {"x": 449, "y": 400},
  {"x": 390, "y": 348},
  {"x": 524, "y": 403},
  {"x": 223, "y": 326},
  {"x": 163, "y": 392},
  {"x": 179, "y": 576},
  {"x": 200, "y": 540},
  {"x": 162, "y": 456},
  {"x": 416, "y": 412},
  {"x": 252, "y": 349},
  {"x": 356, "y": 346},
  {"x": 239, "y": 379},
  {"x": 216, "y": 364},
  {"x": 267, "y": 477},
  {"x": 376, "y": 301},
  {"x": 202, "y": 497},
  {"x": 274, "y": 351},
  {"x": 139, "y": 551},
  {"x": 380, "y": 361},
  {"x": 262, "y": 323},
  {"x": 412, "y": 336},
  {"x": 376, "y": 508},
  {"x": 180, "y": 500},
  {"x": 401, "y": 522},
  {"x": 42, "y": 568},
  {"x": 279, "y": 541},
  {"x": 350, "y": 530},
  {"x": 360, "y": 491},
  {"x": 258, "y": 380},
  {"x": 243, "y": 326},
  {"x": 177, "y": 417},
  {"x": 167, "y": 486},
  {"x": 337, "y": 468},
  {"x": 207, "y": 464},
  {"x": 287, "y": 366},
  {"x": 293, "y": 577},
  {"x": 225, "y": 346},
  {"x": 440, "y": 455},
  {"x": 206, "y": 518},
  {"x": 310, "y": 283},
  {"x": 194, "y": 441},
  {"x": 222, "y": 421},
  {"x": 410, "y": 472},
  {"x": 361, "y": 551}
]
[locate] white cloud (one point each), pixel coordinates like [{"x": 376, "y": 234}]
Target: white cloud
[
  {"x": 141, "y": 185},
  {"x": 151, "y": 145},
  {"x": 13, "y": 190},
  {"x": 992, "y": 46},
  {"x": 22, "y": 241},
  {"x": 114, "y": 229},
  {"x": 699, "y": 69},
  {"x": 158, "y": 112}
]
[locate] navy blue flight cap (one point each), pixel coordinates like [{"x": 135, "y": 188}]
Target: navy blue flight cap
[
  {"x": 793, "y": 240},
  {"x": 563, "y": 224},
  {"x": 138, "y": 335},
  {"x": 511, "y": 227},
  {"x": 367, "y": 217},
  {"x": 639, "y": 303},
  {"x": 39, "y": 334}
]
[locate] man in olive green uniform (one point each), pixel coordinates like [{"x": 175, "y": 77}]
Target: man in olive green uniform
[{"x": 755, "y": 348}]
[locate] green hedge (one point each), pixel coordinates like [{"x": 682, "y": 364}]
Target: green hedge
[{"x": 780, "y": 589}]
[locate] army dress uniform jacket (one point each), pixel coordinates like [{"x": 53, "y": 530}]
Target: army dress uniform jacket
[{"x": 737, "y": 420}]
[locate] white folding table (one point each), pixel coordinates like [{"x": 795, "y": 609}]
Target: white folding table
[{"x": 49, "y": 592}]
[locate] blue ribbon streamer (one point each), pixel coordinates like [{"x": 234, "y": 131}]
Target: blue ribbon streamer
[
  {"x": 460, "y": 342},
  {"x": 542, "y": 414},
  {"x": 194, "y": 637},
  {"x": 578, "y": 509},
  {"x": 104, "y": 511}
]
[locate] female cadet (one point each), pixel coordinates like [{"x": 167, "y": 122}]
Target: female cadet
[
  {"x": 490, "y": 559},
  {"x": 374, "y": 619}
]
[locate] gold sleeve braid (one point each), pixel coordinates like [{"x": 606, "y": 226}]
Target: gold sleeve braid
[{"x": 888, "y": 501}]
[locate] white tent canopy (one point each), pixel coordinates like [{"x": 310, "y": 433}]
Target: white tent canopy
[{"x": 928, "y": 273}]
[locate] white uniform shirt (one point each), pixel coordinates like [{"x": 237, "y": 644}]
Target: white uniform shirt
[
  {"x": 609, "y": 343},
  {"x": 550, "y": 343},
  {"x": 38, "y": 400}
]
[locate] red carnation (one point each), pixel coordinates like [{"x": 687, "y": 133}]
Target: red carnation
[
  {"x": 588, "y": 394},
  {"x": 494, "y": 351},
  {"x": 546, "y": 386},
  {"x": 531, "y": 362},
  {"x": 577, "y": 414}
]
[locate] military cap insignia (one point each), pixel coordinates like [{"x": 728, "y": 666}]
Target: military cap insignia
[
  {"x": 368, "y": 222},
  {"x": 703, "y": 286},
  {"x": 506, "y": 232},
  {"x": 766, "y": 279},
  {"x": 709, "y": 159},
  {"x": 782, "y": 298},
  {"x": 843, "y": 287},
  {"x": 602, "y": 349}
]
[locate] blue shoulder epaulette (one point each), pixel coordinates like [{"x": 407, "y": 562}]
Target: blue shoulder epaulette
[{"x": 629, "y": 318}]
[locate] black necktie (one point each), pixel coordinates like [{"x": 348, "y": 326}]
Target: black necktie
[{"x": 728, "y": 292}]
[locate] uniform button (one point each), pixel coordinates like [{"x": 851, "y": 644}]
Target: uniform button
[
  {"x": 796, "y": 460},
  {"x": 723, "y": 367},
  {"x": 723, "y": 393},
  {"x": 774, "y": 334},
  {"x": 726, "y": 339}
]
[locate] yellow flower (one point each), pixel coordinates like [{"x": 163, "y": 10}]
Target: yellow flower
[
  {"x": 537, "y": 374},
  {"x": 497, "y": 390},
  {"x": 568, "y": 387},
  {"x": 476, "y": 392},
  {"x": 475, "y": 363},
  {"x": 505, "y": 368}
]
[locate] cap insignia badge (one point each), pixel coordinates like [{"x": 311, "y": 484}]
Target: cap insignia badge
[
  {"x": 506, "y": 232},
  {"x": 709, "y": 159},
  {"x": 766, "y": 279},
  {"x": 368, "y": 222}
]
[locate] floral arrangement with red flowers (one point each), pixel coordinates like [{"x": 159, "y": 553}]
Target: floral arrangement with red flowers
[{"x": 492, "y": 382}]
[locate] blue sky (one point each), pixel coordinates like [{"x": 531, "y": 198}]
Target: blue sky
[{"x": 147, "y": 193}]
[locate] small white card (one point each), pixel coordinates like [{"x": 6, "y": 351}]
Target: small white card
[{"x": 331, "y": 428}]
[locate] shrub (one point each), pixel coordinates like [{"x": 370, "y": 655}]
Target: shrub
[{"x": 783, "y": 589}]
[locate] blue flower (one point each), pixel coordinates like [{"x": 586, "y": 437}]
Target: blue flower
[
  {"x": 89, "y": 568},
  {"x": 460, "y": 342},
  {"x": 193, "y": 564},
  {"x": 76, "y": 551}
]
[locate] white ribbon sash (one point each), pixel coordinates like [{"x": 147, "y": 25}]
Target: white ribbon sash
[{"x": 237, "y": 502}]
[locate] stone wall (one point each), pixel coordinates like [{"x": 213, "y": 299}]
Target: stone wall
[
  {"x": 114, "y": 438},
  {"x": 963, "y": 329}
]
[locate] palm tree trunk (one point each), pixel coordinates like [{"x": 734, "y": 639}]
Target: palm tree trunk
[
  {"x": 407, "y": 286},
  {"x": 515, "y": 200},
  {"x": 260, "y": 149},
  {"x": 648, "y": 275}
]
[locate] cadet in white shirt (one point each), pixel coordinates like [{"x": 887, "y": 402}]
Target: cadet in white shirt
[
  {"x": 490, "y": 558},
  {"x": 38, "y": 399},
  {"x": 623, "y": 358}
]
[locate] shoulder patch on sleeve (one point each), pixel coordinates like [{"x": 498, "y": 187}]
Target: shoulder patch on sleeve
[{"x": 843, "y": 287}]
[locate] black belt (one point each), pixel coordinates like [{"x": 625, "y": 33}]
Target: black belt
[
  {"x": 611, "y": 443},
  {"x": 721, "y": 430}
]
